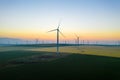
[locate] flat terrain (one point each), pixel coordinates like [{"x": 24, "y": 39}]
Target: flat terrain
[
  {"x": 109, "y": 51},
  {"x": 84, "y": 62}
]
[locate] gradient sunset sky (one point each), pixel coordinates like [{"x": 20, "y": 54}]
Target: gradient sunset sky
[{"x": 90, "y": 19}]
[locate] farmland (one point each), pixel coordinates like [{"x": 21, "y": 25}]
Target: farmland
[{"x": 85, "y": 62}]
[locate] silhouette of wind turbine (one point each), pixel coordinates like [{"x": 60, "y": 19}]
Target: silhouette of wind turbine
[
  {"x": 77, "y": 41},
  {"x": 58, "y": 31}
]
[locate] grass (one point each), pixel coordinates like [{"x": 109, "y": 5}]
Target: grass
[
  {"x": 89, "y": 50},
  {"x": 88, "y": 62},
  {"x": 72, "y": 67},
  {"x": 13, "y": 52}
]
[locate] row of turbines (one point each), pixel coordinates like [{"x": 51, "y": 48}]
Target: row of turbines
[{"x": 75, "y": 41}]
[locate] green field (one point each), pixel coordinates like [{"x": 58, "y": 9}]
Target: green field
[{"x": 85, "y": 62}]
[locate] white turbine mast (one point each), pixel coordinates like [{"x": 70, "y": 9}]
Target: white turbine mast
[{"x": 58, "y": 31}]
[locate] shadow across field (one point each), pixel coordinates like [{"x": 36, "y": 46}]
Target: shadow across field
[
  {"x": 18, "y": 57},
  {"x": 9, "y": 55},
  {"x": 74, "y": 66}
]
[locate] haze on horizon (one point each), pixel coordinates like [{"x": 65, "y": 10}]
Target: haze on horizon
[{"x": 31, "y": 19}]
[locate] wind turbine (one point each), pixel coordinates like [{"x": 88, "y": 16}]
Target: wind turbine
[
  {"x": 77, "y": 41},
  {"x": 58, "y": 31}
]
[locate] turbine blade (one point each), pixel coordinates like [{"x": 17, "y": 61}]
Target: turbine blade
[
  {"x": 52, "y": 30},
  {"x": 61, "y": 33},
  {"x": 59, "y": 24},
  {"x": 76, "y": 35}
]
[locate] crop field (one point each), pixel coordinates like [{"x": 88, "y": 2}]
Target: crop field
[
  {"x": 89, "y": 50},
  {"x": 38, "y": 63}
]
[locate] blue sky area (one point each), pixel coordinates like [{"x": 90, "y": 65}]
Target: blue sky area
[{"x": 91, "y": 19}]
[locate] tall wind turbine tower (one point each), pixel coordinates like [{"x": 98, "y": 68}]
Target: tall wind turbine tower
[
  {"x": 58, "y": 31},
  {"x": 77, "y": 40}
]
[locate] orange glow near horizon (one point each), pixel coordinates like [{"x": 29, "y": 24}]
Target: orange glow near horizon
[{"x": 68, "y": 36}]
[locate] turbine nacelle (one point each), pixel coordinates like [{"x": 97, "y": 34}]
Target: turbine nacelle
[{"x": 58, "y": 31}]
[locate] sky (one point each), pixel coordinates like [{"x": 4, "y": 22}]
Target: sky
[{"x": 89, "y": 19}]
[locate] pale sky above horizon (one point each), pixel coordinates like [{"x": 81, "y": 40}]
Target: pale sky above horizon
[{"x": 90, "y": 19}]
